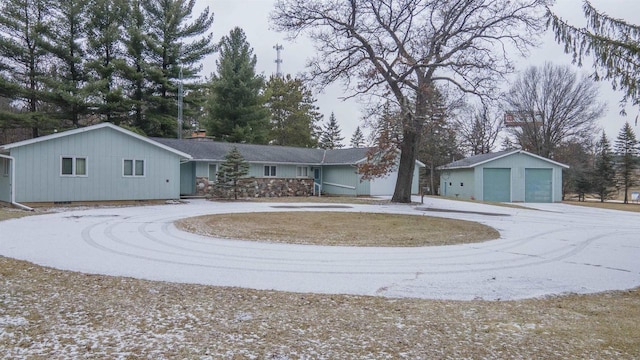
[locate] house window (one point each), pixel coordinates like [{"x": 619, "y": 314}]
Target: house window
[
  {"x": 5, "y": 167},
  {"x": 270, "y": 170},
  {"x": 302, "y": 171},
  {"x": 73, "y": 166},
  {"x": 213, "y": 170},
  {"x": 133, "y": 167}
]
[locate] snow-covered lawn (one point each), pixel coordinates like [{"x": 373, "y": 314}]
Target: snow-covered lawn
[
  {"x": 47, "y": 313},
  {"x": 553, "y": 250}
]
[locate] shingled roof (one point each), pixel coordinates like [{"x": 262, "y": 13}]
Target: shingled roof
[
  {"x": 209, "y": 150},
  {"x": 479, "y": 159}
]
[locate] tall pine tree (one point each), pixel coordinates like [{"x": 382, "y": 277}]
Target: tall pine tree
[
  {"x": 170, "y": 50},
  {"x": 106, "y": 58},
  {"x": 66, "y": 42},
  {"x": 135, "y": 70},
  {"x": 236, "y": 107},
  {"x": 357, "y": 139},
  {"x": 23, "y": 59},
  {"x": 331, "y": 137},
  {"x": 627, "y": 151},
  {"x": 604, "y": 172},
  {"x": 294, "y": 116}
]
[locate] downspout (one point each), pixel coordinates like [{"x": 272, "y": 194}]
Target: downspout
[{"x": 13, "y": 184}]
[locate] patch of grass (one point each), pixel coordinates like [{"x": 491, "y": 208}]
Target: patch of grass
[
  {"x": 10, "y": 213},
  {"x": 340, "y": 228},
  {"x": 492, "y": 203},
  {"x": 47, "y": 313},
  {"x": 633, "y": 207},
  {"x": 324, "y": 199}
]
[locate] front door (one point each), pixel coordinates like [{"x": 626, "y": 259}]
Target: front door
[{"x": 317, "y": 181}]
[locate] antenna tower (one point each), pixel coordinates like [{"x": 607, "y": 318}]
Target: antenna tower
[
  {"x": 180, "y": 96},
  {"x": 278, "y": 60}
]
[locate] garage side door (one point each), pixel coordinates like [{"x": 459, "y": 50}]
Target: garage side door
[
  {"x": 537, "y": 185},
  {"x": 496, "y": 185}
]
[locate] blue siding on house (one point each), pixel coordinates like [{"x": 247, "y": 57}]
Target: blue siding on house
[
  {"x": 341, "y": 180},
  {"x": 38, "y": 166}
]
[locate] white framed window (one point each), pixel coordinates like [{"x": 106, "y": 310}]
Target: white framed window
[
  {"x": 270, "y": 170},
  {"x": 302, "y": 171},
  {"x": 133, "y": 167},
  {"x": 5, "y": 167},
  {"x": 73, "y": 166},
  {"x": 213, "y": 172}
]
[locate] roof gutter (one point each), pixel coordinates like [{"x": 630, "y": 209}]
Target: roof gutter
[{"x": 13, "y": 182}]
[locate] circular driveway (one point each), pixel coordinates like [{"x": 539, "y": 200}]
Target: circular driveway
[{"x": 553, "y": 249}]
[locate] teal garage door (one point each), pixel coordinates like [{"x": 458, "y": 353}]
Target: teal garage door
[
  {"x": 537, "y": 185},
  {"x": 496, "y": 185}
]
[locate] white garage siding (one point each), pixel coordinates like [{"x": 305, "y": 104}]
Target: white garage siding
[{"x": 384, "y": 186}]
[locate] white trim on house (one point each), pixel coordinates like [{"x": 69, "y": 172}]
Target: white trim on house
[
  {"x": 134, "y": 173},
  {"x": 74, "y": 166},
  {"x": 91, "y": 128},
  {"x": 509, "y": 153},
  {"x": 273, "y": 171},
  {"x": 12, "y": 185},
  {"x": 6, "y": 166},
  {"x": 302, "y": 171}
]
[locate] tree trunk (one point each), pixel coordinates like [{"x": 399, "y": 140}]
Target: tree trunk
[
  {"x": 408, "y": 153},
  {"x": 431, "y": 180}
]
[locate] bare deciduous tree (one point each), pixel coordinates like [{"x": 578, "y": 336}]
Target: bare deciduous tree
[
  {"x": 402, "y": 48},
  {"x": 478, "y": 129},
  {"x": 552, "y": 105}
]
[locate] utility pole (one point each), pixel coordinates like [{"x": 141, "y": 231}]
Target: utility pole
[{"x": 278, "y": 61}]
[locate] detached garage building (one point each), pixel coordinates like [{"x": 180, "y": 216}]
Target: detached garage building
[{"x": 506, "y": 176}]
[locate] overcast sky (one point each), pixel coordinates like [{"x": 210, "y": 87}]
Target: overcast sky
[{"x": 253, "y": 17}]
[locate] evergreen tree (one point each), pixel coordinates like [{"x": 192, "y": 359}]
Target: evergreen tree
[
  {"x": 627, "y": 151},
  {"x": 331, "y": 137},
  {"x": 577, "y": 179},
  {"x": 169, "y": 53},
  {"x": 22, "y": 59},
  {"x": 357, "y": 139},
  {"x": 106, "y": 57},
  {"x": 65, "y": 42},
  {"x": 507, "y": 144},
  {"x": 233, "y": 169},
  {"x": 236, "y": 107},
  {"x": 440, "y": 144},
  {"x": 613, "y": 44},
  {"x": 135, "y": 70},
  {"x": 604, "y": 173},
  {"x": 294, "y": 116}
]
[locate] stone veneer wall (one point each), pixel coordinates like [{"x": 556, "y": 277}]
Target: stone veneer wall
[{"x": 256, "y": 187}]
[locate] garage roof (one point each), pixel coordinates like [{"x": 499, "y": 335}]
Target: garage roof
[{"x": 480, "y": 159}]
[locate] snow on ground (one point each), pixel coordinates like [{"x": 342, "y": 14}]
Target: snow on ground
[{"x": 552, "y": 249}]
